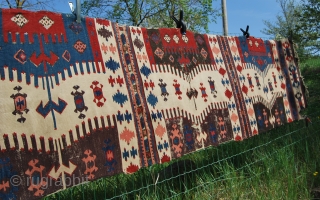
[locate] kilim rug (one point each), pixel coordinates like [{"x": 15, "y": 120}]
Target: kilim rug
[{"x": 94, "y": 99}]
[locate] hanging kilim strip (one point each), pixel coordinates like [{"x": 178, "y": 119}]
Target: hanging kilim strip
[{"x": 95, "y": 99}]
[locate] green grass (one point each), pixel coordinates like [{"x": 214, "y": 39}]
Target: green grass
[
  {"x": 279, "y": 164},
  {"x": 308, "y": 63}
]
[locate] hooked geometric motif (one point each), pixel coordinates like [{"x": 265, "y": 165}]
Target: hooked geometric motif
[{"x": 80, "y": 46}]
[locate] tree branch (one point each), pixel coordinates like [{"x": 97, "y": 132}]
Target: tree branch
[
  {"x": 9, "y": 4},
  {"x": 147, "y": 15},
  {"x": 20, "y": 3}
]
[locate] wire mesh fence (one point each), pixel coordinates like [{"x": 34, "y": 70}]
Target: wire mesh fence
[{"x": 281, "y": 163}]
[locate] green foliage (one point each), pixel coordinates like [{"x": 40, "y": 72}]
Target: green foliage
[
  {"x": 309, "y": 23},
  {"x": 286, "y": 24},
  {"x": 299, "y": 22},
  {"x": 286, "y": 21},
  {"x": 152, "y": 13}
]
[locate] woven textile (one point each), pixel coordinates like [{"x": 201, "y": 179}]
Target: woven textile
[{"x": 95, "y": 99}]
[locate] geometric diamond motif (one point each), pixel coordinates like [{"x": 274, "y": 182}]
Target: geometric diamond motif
[
  {"x": 159, "y": 53},
  {"x": 199, "y": 40},
  {"x": 167, "y": 38},
  {"x": 105, "y": 33},
  {"x": 80, "y": 46},
  {"x": 239, "y": 68},
  {"x": 222, "y": 71},
  {"x": 75, "y": 27},
  {"x": 234, "y": 117},
  {"x": 194, "y": 60},
  {"x": 66, "y": 55},
  {"x": 204, "y": 53},
  {"x": 185, "y": 38},
  {"x": 244, "y": 89},
  {"x": 145, "y": 70},
  {"x": 176, "y": 38},
  {"x": 250, "y": 111},
  {"x": 19, "y": 19},
  {"x": 228, "y": 93},
  {"x": 234, "y": 49},
  {"x": 46, "y": 22},
  {"x": 171, "y": 58},
  {"x": 160, "y": 131},
  {"x": 138, "y": 43},
  {"x": 155, "y": 37},
  {"x": 127, "y": 135},
  {"x": 20, "y": 56},
  {"x": 215, "y": 50}
]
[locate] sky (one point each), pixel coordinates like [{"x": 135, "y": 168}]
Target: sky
[{"x": 240, "y": 13}]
